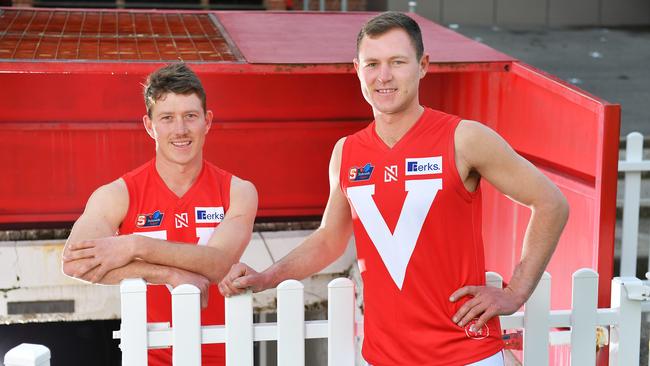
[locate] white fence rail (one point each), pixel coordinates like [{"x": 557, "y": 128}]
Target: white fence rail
[
  {"x": 239, "y": 332},
  {"x": 632, "y": 167}
]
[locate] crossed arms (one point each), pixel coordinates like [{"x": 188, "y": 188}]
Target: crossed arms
[{"x": 95, "y": 253}]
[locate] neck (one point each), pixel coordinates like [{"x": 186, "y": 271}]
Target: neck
[
  {"x": 391, "y": 127},
  {"x": 179, "y": 177}
]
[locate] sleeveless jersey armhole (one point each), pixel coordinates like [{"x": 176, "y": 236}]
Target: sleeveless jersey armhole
[
  {"x": 132, "y": 203},
  {"x": 342, "y": 174},
  {"x": 226, "y": 190},
  {"x": 460, "y": 186}
]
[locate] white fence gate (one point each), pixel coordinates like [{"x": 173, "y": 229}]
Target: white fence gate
[
  {"x": 239, "y": 332},
  {"x": 633, "y": 166}
]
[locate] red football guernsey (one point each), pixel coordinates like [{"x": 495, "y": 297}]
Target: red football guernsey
[
  {"x": 156, "y": 211},
  {"x": 418, "y": 236}
]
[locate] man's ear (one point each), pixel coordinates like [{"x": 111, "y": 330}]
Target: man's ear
[
  {"x": 208, "y": 121},
  {"x": 148, "y": 125},
  {"x": 355, "y": 62},
  {"x": 424, "y": 65}
]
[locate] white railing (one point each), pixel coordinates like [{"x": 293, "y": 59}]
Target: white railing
[
  {"x": 239, "y": 332},
  {"x": 632, "y": 166},
  {"x": 623, "y": 320}
]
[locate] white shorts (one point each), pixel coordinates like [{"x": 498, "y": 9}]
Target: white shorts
[{"x": 494, "y": 360}]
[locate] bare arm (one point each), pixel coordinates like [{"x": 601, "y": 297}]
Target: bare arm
[
  {"x": 480, "y": 151},
  {"x": 224, "y": 247},
  {"x": 213, "y": 260},
  {"x": 101, "y": 218},
  {"x": 318, "y": 250}
]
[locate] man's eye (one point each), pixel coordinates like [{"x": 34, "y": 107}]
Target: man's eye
[{"x": 372, "y": 64}]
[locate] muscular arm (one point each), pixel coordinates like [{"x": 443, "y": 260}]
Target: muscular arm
[
  {"x": 114, "y": 253},
  {"x": 318, "y": 250},
  {"x": 481, "y": 152},
  {"x": 101, "y": 218},
  {"x": 224, "y": 247}
]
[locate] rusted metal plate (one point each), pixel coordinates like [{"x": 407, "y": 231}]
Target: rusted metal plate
[{"x": 31, "y": 34}]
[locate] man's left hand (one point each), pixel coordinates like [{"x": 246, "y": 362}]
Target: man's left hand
[
  {"x": 100, "y": 256},
  {"x": 485, "y": 303}
]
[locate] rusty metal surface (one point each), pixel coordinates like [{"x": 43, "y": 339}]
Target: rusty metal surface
[{"x": 29, "y": 34}]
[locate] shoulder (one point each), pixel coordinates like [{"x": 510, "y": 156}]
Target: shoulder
[
  {"x": 110, "y": 200},
  {"x": 338, "y": 147},
  {"x": 115, "y": 191},
  {"x": 243, "y": 195},
  {"x": 242, "y": 186},
  {"x": 477, "y": 144}
]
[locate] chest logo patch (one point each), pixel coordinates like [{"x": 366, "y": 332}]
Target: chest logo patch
[
  {"x": 361, "y": 174},
  {"x": 149, "y": 220},
  {"x": 181, "y": 220},
  {"x": 390, "y": 173},
  {"x": 424, "y": 166},
  {"x": 208, "y": 215},
  {"x": 395, "y": 249}
]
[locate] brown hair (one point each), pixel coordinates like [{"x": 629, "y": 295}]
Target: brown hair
[
  {"x": 389, "y": 20},
  {"x": 175, "y": 78}
]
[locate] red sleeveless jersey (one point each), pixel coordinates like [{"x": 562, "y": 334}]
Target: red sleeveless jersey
[
  {"x": 156, "y": 211},
  {"x": 418, "y": 237}
]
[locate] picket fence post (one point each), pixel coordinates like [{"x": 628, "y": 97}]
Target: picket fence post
[
  {"x": 631, "y": 204},
  {"x": 340, "y": 322},
  {"x": 186, "y": 330},
  {"x": 584, "y": 316},
  {"x": 624, "y": 337},
  {"x": 133, "y": 328},
  {"x": 536, "y": 323},
  {"x": 291, "y": 324},
  {"x": 239, "y": 330}
]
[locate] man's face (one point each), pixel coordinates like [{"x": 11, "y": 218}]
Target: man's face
[
  {"x": 389, "y": 71},
  {"x": 179, "y": 126}
]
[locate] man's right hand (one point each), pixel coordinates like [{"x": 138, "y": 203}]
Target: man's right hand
[
  {"x": 180, "y": 276},
  {"x": 240, "y": 278}
]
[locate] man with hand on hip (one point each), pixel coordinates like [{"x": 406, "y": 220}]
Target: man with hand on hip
[{"x": 408, "y": 186}]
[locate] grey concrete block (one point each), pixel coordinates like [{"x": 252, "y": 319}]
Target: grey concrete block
[
  {"x": 522, "y": 12},
  {"x": 573, "y": 12},
  {"x": 625, "y": 12},
  {"x": 429, "y": 9},
  {"x": 470, "y": 12}
]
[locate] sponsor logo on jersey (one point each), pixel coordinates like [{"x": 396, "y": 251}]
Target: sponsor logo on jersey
[
  {"x": 424, "y": 166},
  {"x": 482, "y": 333},
  {"x": 149, "y": 220},
  {"x": 360, "y": 174},
  {"x": 208, "y": 215},
  {"x": 390, "y": 173},
  {"x": 181, "y": 220}
]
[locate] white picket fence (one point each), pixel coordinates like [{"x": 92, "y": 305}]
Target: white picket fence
[
  {"x": 632, "y": 166},
  {"x": 239, "y": 332}
]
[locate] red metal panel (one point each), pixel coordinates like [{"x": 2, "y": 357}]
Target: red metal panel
[
  {"x": 571, "y": 136},
  {"x": 308, "y": 38}
]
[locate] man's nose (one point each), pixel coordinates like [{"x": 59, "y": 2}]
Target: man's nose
[
  {"x": 180, "y": 126},
  {"x": 385, "y": 73}
]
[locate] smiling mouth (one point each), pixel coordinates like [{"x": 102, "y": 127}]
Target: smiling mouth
[
  {"x": 386, "y": 91},
  {"x": 181, "y": 143}
]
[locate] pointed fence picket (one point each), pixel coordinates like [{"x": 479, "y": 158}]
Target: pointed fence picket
[{"x": 537, "y": 321}]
